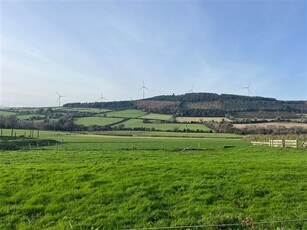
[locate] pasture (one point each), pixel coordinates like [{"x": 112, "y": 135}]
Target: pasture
[
  {"x": 100, "y": 121},
  {"x": 90, "y": 110},
  {"x": 103, "y": 182},
  {"x": 158, "y": 125},
  {"x": 168, "y": 134},
  {"x": 128, "y": 113},
  {"x": 201, "y": 119},
  {"x": 6, "y": 113},
  {"x": 157, "y": 116}
]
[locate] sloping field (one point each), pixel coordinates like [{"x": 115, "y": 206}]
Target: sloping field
[
  {"x": 200, "y": 119},
  {"x": 26, "y": 109},
  {"x": 100, "y": 121},
  {"x": 91, "y": 110},
  {"x": 6, "y": 113},
  {"x": 138, "y": 123},
  {"x": 276, "y": 124},
  {"x": 157, "y": 116},
  {"x": 128, "y": 113}
]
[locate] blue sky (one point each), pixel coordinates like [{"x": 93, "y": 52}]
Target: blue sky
[{"x": 83, "y": 48}]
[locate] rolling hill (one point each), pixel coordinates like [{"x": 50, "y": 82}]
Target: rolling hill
[{"x": 208, "y": 104}]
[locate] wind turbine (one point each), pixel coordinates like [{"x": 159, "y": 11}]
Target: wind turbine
[
  {"x": 101, "y": 99},
  {"x": 248, "y": 90},
  {"x": 191, "y": 90},
  {"x": 59, "y": 98},
  {"x": 143, "y": 88}
]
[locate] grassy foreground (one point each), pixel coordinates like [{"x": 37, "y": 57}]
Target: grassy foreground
[{"x": 105, "y": 183}]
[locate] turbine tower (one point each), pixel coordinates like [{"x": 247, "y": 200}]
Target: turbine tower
[
  {"x": 191, "y": 90},
  {"x": 248, "y": 89},
  {"x": 59, "y": 98},
  {"x": 101, "y": 99},
  {"x": 143, "y": 88}
]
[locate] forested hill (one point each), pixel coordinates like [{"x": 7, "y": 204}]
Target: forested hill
[{"x": 206, "y": 104}]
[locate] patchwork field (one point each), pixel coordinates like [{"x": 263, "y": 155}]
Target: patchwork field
[
  {"x": 91, "y": 110},
  {"x": 100, "y": 121},
  {"x": 123, "y": 179},
  {"x": 6, "y": 113},
  {"x": 128, "y": 113},
  {"x": 156, "y": 116},
  {"x": 100, "y": 182},
  {"x": 138, "y": 123}
]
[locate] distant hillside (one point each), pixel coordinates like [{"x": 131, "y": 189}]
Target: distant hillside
[{"x": 208, "y": 104}]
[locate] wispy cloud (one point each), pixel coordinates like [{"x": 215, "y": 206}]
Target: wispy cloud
[{"x": 83, "y": 48}]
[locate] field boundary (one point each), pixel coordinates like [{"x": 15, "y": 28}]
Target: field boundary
[
  {"x": 245, "y": 223},
  {"x": 279, "y": 143}
]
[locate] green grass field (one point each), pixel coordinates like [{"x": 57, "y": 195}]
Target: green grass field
[
  {"x": 6, "y": 113},
  {"x": 157, "y": 116},
  {"x": 128, "y": 113},
  {"x": 91, "y": 110},
  {"x": 138, "y": 123},
  {"x": 102, "y": 182},
  {"x": 168, "y": 134},
  {"x": 90, "y": 141},
  {"x": 101, "y": 121}
]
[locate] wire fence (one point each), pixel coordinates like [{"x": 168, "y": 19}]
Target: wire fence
[{"x": 246, "y": 224}]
